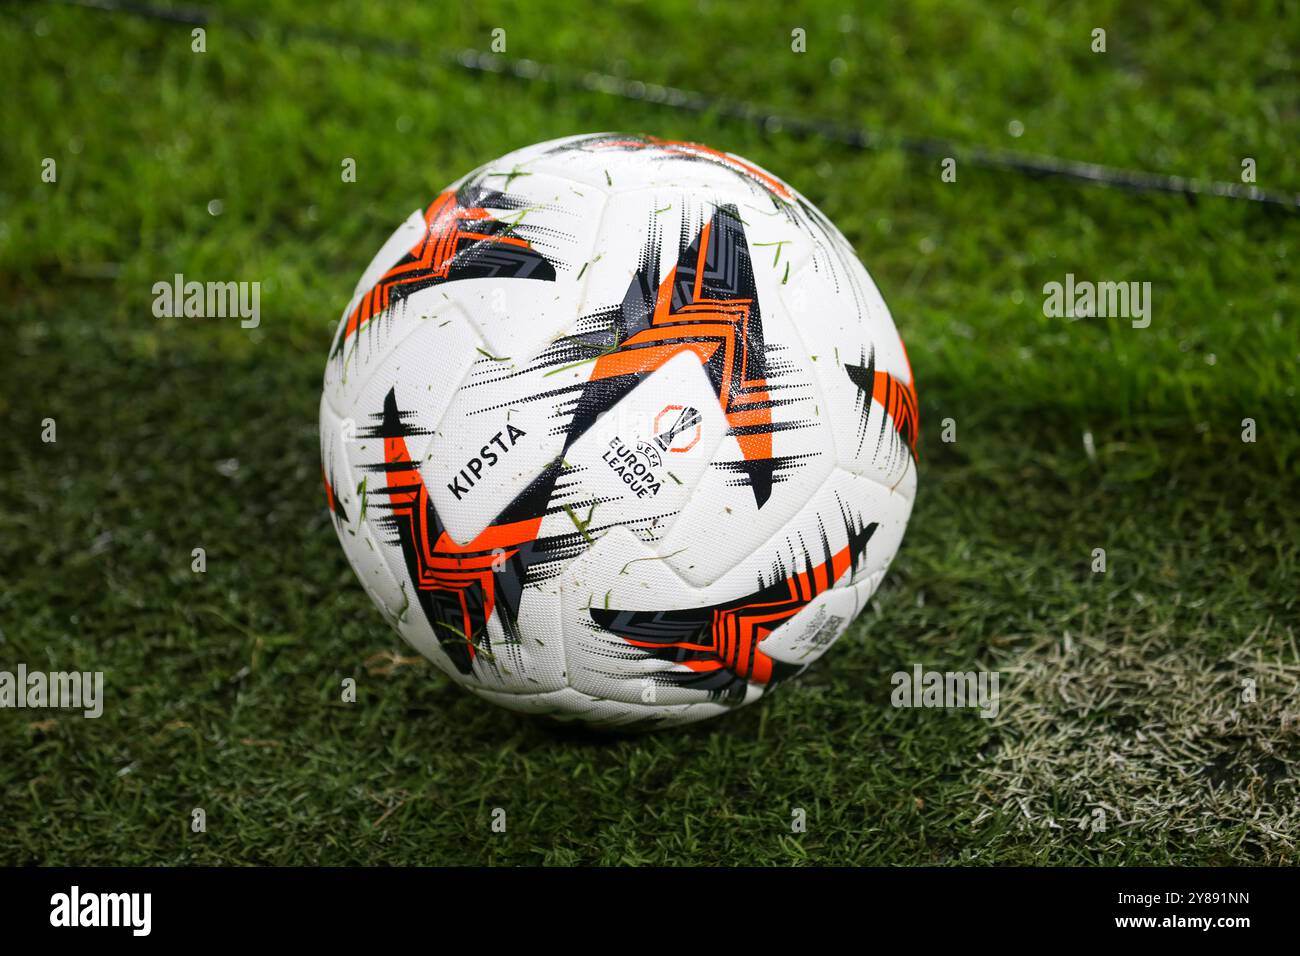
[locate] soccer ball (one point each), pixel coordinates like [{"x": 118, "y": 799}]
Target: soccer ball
[{"x": 619, "y": 430}]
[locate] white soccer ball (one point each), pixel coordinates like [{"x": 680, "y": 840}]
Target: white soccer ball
[{"x": 619, "y": 430}]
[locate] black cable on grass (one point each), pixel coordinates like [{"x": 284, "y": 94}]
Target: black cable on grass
[{"x": 769, "y": 120}]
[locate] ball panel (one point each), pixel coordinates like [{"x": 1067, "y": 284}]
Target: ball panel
[
  {"x": 620, "y": 571},
  {"x": 635, "y": 627},
  {"x": 643, "y": 459},
  {"x": 862, "y": 373},
  {"x": 810, "y": 633},
  {"x": 498, "y": 242},
  {"x": 528, "y": 660},
  {"x": 356, "y": 533}
]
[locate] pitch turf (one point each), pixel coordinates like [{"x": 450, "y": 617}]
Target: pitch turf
[{"x": 1122, "y": 692}]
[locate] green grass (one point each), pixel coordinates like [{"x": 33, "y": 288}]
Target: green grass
[{"x": 1121, "y": 691}]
